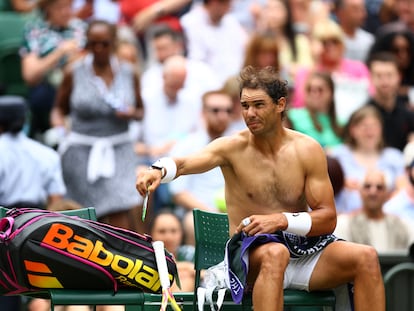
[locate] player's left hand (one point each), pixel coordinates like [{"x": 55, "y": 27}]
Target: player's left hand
[{"x": 258, "y": 224}]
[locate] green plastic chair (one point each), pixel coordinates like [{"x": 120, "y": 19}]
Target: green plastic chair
[
  {"x": 5, "y": 5},
  {"x": 11, "y": 39},
  {"x": 85, "y": 213},
  {"x": 399, "y": 287},
  {"x": 211, "y": 234},
  {"x": 11, "y": 30}
]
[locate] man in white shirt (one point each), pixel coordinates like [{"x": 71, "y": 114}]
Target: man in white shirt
[
  {"x": 351, "y": 15},
  {"x": 215, "y": 37},
  {"x": 172, "y": 111},
  {"x": 199, "y": 191},
  {"x": 30, "y": 172},
  {"x": 107, "y": 10},
  {"x": 164, "y": 43}
]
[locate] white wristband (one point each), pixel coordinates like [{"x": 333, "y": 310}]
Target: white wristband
[
  {"x": 170, "y": 169},
  {"x": 299, "y": 223}
]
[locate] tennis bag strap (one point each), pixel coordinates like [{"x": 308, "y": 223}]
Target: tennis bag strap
[{"x": 41, "y": 249}]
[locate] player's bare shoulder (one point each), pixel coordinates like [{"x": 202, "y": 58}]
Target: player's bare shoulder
[
  {"x": 228, "y": 148},
  {"x": 232, "y": 142},
  {"x": 302, "y": 139},
  {"x": 305, "y": 146}
]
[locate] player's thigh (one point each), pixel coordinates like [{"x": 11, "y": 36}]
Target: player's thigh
[
  {"x": 338, "y": 264},
  {"x": 270, "y": 256}
]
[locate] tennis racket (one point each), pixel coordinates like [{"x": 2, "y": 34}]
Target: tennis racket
[
  {"x": 145, "y": 206},
  {"x": 167, "y": 295}
]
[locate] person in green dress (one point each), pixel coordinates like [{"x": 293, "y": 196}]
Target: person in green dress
[{"x": 318, "y": 116}]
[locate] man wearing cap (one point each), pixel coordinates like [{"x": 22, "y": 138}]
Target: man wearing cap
[
  {"x": 402, "y": 204},
  {"x": 30, "y": 172}
]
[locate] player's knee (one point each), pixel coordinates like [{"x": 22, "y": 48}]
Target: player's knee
[
  {"x": 274, "y": 257},
  {"x": 369, "y": 262}
]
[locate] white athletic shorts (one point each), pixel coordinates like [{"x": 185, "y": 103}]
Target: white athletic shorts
[{"x": 299, "y": 271}]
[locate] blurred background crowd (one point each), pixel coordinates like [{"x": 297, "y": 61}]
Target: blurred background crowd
[{"x": 94, "y": 90}]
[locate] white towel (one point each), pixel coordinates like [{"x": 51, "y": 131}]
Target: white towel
[{"x": 101, "y": 160}]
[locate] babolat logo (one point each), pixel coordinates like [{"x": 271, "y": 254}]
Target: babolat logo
[
  {"x": 132, "y": 272},
  {"x": 39, "y": 275}
]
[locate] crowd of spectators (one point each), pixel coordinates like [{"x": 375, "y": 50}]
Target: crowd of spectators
[{"x": 114, "y": 85}]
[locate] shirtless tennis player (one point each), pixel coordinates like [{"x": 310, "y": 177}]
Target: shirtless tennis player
[{"x": 277, "y": 183}]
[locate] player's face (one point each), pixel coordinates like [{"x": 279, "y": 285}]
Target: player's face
[{"x": 260, "y": 113}]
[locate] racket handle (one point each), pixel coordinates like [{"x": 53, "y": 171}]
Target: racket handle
[{"x": 161, "y": 263}]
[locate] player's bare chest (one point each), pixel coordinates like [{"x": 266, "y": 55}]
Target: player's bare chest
[{"x": 269, "y": 181}]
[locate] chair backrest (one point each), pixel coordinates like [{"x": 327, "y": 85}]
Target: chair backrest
[
  {"x": 211, "y": 234},
  {"x": 5, "y": 5},
  {"x": 390, "y": 259},
  {"x": 399, "y": 284},
  {"x": 11, "y": 29},
  {"x": 86, "y": 213},
  {"x": 11, "y": 78},
  {"x": 11, "y": 39}
]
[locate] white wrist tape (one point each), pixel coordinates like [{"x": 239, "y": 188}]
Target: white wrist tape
[
  {"x": 299, "y": 223},
  {"x": 170, "y": 169}
]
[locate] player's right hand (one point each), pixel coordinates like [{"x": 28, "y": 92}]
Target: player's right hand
[{"x": 147, "y": 180}]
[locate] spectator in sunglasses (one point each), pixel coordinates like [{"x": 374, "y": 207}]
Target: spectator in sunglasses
[
  {"x": 100, "y": 94},
  {"x": 370, "y": 225},
  {"x": 351, "y": 77},
  {"x": 199, "y": 191},
  {"x": 318, "y": 117}
]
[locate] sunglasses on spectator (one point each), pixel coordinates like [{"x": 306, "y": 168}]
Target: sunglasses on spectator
[
  {"x": 103, "y": 43},
  {"x": 378, "y": 187},
  {"x": 331, "y": 41},
  {"x": 216, "y": 110}
]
